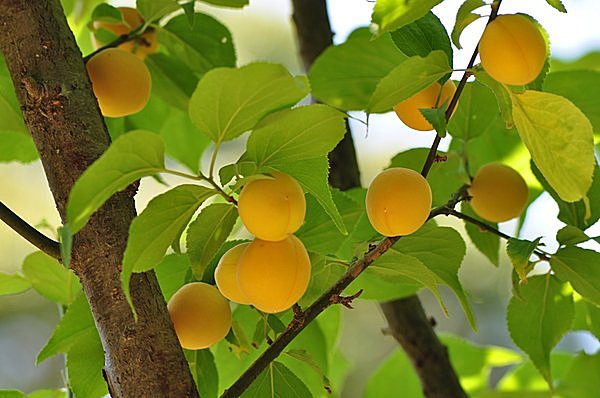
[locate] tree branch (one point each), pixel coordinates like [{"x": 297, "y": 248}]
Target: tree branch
[
  {"x": 142, "y": 358},
  {"x": 32, "y": 235}
]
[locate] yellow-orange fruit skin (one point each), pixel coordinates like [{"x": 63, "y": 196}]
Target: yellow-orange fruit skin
[
  {"x": 200, "y": 314},
  {"x": 512, "y": 50},
  {"x": 226, "y": 275},
  {"x": 147, "y": 44},
  {"x": 498, "y": 192},
  {"x": 398, "y": 201},
  {"x": 274, "y": 275},
  {"x": 408, "y": 110},
  {"x": 121, "y": 82},
  {"x": 273, "y": 208}
]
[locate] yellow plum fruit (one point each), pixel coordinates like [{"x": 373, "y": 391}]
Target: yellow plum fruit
[
  {"x": 200, "y": 314},
  {"x": 398, "y": 201},
  {"x": 121, "y": 82},
  {"x": 272, "y": 208},
  {"x": 512, "y": 49},
  {"x": 498, "y": 193},
  {"x": 408, "y": 110},
  {"x": 132, "y": 19},
  {"x": 226, "y": 274},
  {"x": 274, "y": 275}
]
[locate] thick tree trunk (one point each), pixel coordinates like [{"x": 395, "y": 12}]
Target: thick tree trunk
[
  {"x": 143, "y": 359},
  {"x": 406, "y": 317}
]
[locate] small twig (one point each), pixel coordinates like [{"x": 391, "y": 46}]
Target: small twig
[
  {"x": 32, "y": 235},
  {"x": 346, "y": 301},
  {"x": 454, "y": 101},
  {"x": 489, "y": 228},
  {"x": 133, "y": 35}
]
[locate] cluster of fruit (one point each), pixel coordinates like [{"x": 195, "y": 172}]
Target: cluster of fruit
[
  {"x": 271, "y": 272},
  {"x": 120, "y": 78}
]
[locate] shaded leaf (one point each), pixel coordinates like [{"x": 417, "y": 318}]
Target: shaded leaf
[
  {"x": 156, "y": 9},
  {"x": 538, "y": 321},
  {"x": 85, "y": 361},
  {"x": 519, "y": 251},
  {"x": 130, "y": 157},
  {"x": 172, "y": 273},
  {"x": 207, "y": 233},
  {"x": 346, "y": 75},
  {"x": 277, "y": 381},
  {"x": 204, "y": 370},
  {"x": 486, "y": 242},
  {"x": 407, "y": 79},
  {"x": 464, "y": 17},
  {"x": 570, "y": 235}
]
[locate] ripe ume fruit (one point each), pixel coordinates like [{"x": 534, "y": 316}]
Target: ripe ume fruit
[
  {"x": 498, "y": 192},
  {"x": 512, "y": 50},
  {"x": 408, "y": 110},
  {"x": 398, "y": 201},
  {"x": 272, "y": 208},
  {"x": 200, "y": 314},
  {"x": 121, "y": 82},
  {"x": 274, "y": 275},
  {"x": 226, "y": 274},
  {"x": 132, "y": 19}
]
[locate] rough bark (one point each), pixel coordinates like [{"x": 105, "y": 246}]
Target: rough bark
[
  {"x": 406, "y": 317},
  {"x": 143, "y": 359}
]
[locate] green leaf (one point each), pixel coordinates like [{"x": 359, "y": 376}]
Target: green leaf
[
  {"x": 16, "y": 146},
  {"x": 201, "y": 46},
  {"x": 437, "y": 118},
  {"x": 394, "y": 266},
  {"x": 305, "y": 357},
  {"x": 580, "y": 268},
  {"x": 228, "y": 101},
  {"x": 502, "y": 93},
  {"x": 50, "y": 279},
  {"x": 277, "y": 381},
  {"x": 130, "y": 157},
  {"x": 581, "y": 379},
  {"x": 207, "y": 233},
  {"x": 227, "y": 3},
  {"x": 296, "y": 142},
  {"x": 85, "y": 361},
  {"x": 423, "y": 36},
  {"x": 324, "y": 274},
  {"x": 204, "y": 370},
  {"x": 161, "y": 222},
  {"x": 538, "y": 321},
  {"x": 395, "y": 367},
  {"x": 389, "y": 15},
  {"x": 570, "y": 235},
  {"x": 13, "y": 284},
  {"x": 62, "y": 393},
  {"x": 106, "y": 13},
  {"x": 156, "y": 9},
  {"x": 519, "y": 251},
  {"x": 577, "y": 214},
  {"x": 66, "y": 244},
  {"x": 587, "y": 317},
  {"x": 183, "y": 141},
  {"x": 560, "y": 140},
  {"x": 486, "y": 242},
  {"x": 172, "y": 81},
  {"x": 75, "y": 324},
  {"x": 345, "y": 76},
  {"x": 407, "y": 79},
  {"x": 11, "y": 394},
  {"x": 578, "y": 87},
  {"x": 557, "y": 4},
  {"x": 476, "y": 113},
  {"x": 172, "y": 273},
  {"x": 442, "y": 250},
  {"x": 464, "y": 17}
]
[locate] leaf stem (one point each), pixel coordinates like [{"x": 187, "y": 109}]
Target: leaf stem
[
  {"x": 202, "y": 177},
  {"x": 32, "y": 235}
]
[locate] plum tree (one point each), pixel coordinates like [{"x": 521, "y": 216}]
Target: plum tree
[
  {"x": 121, "y": 82},
  {"x": 142, "y": 46},
  {"x": 433, "y": 96},
  {"x": 512, "y": 49},
  {"x": 398, "y": 201},
  {"x": 274, "y": 275},
  {"x": 226, "y": 274},
  {"x": 272, "y": 208},
  {"x": 200, "y": 314},
  {"x": 498, "y": 192}
]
